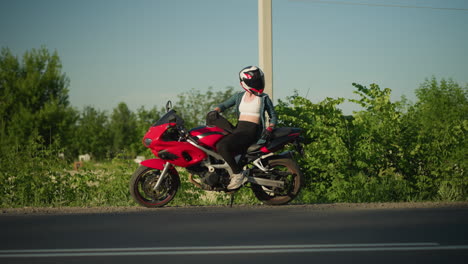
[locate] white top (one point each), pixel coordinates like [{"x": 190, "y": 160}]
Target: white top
[{"x": 251, "y": 108}]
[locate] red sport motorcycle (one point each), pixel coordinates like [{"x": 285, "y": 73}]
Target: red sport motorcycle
[{"x": 275, "y": 178}]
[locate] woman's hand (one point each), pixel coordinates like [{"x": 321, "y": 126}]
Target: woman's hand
[
  {"x": 212, "y": 116},
  {"x": 267, "y": 133}
]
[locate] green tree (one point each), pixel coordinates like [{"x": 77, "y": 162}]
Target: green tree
[
  {"x": 34, "y": 96},
  {"x": 123, "y": 127},
  {"x": 92, "y": 133}
]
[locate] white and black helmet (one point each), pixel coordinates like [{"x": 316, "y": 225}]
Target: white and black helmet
[{"x": 252, "y": 79}]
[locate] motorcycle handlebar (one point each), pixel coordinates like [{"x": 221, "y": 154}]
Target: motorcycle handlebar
[{"x": 182, "y": 132}]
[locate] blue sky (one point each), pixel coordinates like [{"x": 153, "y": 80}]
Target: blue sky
[{"x": 145, "y": 52}]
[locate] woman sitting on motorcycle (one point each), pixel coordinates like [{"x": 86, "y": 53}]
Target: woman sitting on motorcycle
[{"x": 251, "y": 106}]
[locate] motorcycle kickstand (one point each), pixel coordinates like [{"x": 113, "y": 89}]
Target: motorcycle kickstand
[{"x": 232, "y": 199}]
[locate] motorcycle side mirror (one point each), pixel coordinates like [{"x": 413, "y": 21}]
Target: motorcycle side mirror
[{"x": 168, "y": 106}]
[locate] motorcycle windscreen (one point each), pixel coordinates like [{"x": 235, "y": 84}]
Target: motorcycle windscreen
[{"x": 170, "y": 117}]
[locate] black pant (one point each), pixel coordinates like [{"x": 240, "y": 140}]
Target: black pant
[{"x": 244, "y": 135}]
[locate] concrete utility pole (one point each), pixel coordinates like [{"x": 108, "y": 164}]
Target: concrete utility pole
[{"x": 265, "y": 47}]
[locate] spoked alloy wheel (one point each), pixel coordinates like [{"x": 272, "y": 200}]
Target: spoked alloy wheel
[
  {"x": 142, "y": 187},
  {"x": 285, "y": 170}
]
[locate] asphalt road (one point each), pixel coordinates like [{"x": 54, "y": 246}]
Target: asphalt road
[{"x": 287, "y": 234}]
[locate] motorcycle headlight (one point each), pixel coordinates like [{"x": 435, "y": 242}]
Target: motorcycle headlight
[{"x": 148, "y": 141}]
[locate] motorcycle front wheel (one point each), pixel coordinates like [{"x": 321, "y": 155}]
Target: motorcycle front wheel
[
  {"x": 283, "y": 169},
  {"x": 142, "y": 187}
]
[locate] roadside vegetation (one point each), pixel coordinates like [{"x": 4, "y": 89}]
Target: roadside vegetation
[{"x": 390, "y": 151}]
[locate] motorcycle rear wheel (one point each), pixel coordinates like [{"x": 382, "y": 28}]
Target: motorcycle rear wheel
[
  {"x": 284, "y": 169},
  {"x": 141, "y": 187}
]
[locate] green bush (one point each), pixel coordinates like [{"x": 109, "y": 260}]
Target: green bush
[
  {"x": 36, "y": 176},
  {"x": 389, "y": 151},
  {"x": 327, "y": 138}
]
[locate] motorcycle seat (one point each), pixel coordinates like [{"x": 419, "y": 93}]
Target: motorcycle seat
[
  {"x": 284, "y": 131},
  {"x": 276, "y": 133}
]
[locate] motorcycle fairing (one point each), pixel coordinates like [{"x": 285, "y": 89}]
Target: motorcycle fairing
[
  {"x": 154, "y": 163},
  {"x": 163, "y": 141},
  {"x": 157, "y": 164},
  {"x": 208, "y": 136}
]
